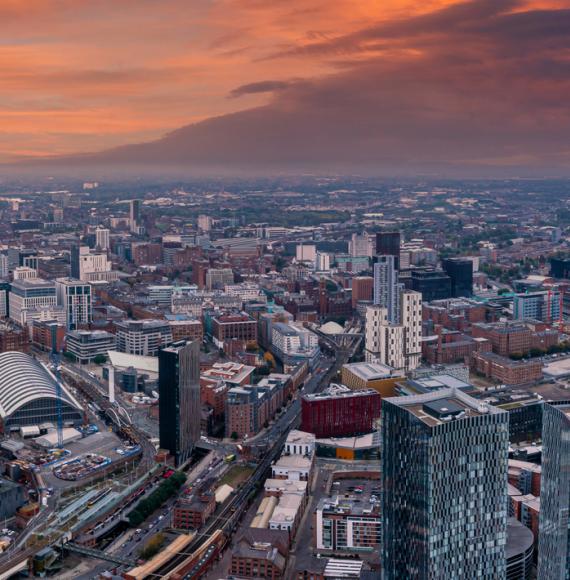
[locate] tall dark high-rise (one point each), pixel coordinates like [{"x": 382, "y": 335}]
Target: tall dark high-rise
[
  {"x": 444, "y": 500},
  {"x": 388, "y": 244},
  {"x": 179, "y": 398},
  {"x": 75, "y": 268},
  {"x": 134, "y": 210},
  {"x": 554, "y": 534},
  {"x": 461, "y": 273}
]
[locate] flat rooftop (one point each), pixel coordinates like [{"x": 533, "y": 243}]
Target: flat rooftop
[
  {"x": 442, "y": 406},
  {"x": 371, "y": 371}
]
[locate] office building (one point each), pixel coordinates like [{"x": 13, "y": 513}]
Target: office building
[
  {"x": 340, "y": 412},
  {"x": 386, "y": 286},
  {"x": 431, "y": 284},
  {"x": 544, "y": 305},
  {"x": 238, "y": 326},
  {"x": 388, "y": 244},
  {"x": 4, "y": 269},
  {"x": 179, "y": 399},
  {"x": 444, "y": 504},
  {"x": 28, "y": 295},
  {"x": 560, "y": 267},
  {"x": 102, "y": 240},
  {"x": 361, "y": 245},
  {"x": 87, "y": 345},
  {"x": 143, "y": 337},
  {"x": 363, "y": 375},
  {"x": 217, "y": 278},
  {"x": 306, "y": 253},
  {"x": 461, "y": 273},
  {"x": 134, "y": 214},
  {"x": 75, "y": 297},
  {"x": 554, "y": 534},
  {"x": 90, "y": 266},
  {"x": 292, "y": 343}
]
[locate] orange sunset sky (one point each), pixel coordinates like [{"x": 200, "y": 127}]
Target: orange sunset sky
[{"x": 87, "y": 75}]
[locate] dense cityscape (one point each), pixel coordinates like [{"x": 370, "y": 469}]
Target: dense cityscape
[{"x": 366, "y": 379}]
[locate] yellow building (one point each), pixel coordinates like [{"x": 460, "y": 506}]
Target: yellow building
[{"x": 379, "y": 377}]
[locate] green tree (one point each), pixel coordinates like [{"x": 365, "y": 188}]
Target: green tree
[
  {"x": 100, "y": 359},
  {"x": 234, "y": 435}
]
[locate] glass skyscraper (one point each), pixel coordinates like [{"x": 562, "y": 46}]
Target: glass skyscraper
[
  {"x": 179, "y": 398},
  {"x": 554, "y": 534},
  {"x": 444, "y": 498}
]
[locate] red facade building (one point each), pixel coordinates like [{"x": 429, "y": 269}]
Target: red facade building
[{"x": 340, "y": 412}]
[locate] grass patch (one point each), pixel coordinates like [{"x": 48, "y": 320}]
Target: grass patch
[{"x": 236, "y": 475}]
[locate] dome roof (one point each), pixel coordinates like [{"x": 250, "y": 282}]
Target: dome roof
[{"x": 331, "y": 328}]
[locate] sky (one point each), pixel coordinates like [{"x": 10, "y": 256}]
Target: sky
[{"x": 376, "y": 83}]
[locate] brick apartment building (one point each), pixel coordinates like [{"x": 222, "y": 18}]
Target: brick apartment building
[
  {"x": 508, "y": 338},
  {"x": 233, "y": 326},
  {"x": 13, "y": 337},
  {"x": 505, "y": 370},
  {"x": 454, "y": 313},
  {"x": 450, "y": 347},
  {"x": 260, "y": 553},
  {"x": 193, "y": 512},
  {"x": 362, "y": 289}
]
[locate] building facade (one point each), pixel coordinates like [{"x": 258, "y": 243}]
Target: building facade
[
  {"x": 554, "y": 552},
  {"x": 75, "y": 297},
  {"x": 340, "y": 412},
  {"x": 179, "y": 399},
  {"x": 143, "y": 337},
  {"x": 444, "y": 505}
]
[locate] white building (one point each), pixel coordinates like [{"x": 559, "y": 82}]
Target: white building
[
  {"x": 143, "y": 337},
  {"x": 25, "y": 273},
  {"x": 205, "y": 223},
  {"x": 306, "y": 253},
  {"x": 247, "y": 291},
  {"x": 4, "y": 269},
  {"x": 323, "y": 262},
  {"x": 300, "y": 443},
  {"x": 75, "y": 297},
  {"x": 294, "y": 467},
  {"x": 411, "y": 317},
  {"x": 287, "y": 513},
  {"x": 291, "y": 338},
  {"x": 91, "y": 266},
  {"x": 397, "y": 345},
  {"x": 102, "y": 239},
  {"x": 30, "y": 294},
  {"x": 161, "y": 294},
  {"x": 361, "y": 245}
]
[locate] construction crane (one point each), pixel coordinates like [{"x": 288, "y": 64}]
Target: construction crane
[{"x": 54, "y": 357}]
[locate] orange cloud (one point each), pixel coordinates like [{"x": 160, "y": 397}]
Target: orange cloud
[{"x": 83, "y": 75}]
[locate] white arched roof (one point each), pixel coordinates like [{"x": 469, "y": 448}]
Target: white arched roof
[{"x": 23, "y": 380}]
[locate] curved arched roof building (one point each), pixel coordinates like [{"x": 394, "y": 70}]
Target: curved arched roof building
[{"x": 28, "y": 394}]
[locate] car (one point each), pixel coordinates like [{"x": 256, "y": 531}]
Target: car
[
  {"x": 160, "y": 518},
  {"x": 138, "y": 531}
]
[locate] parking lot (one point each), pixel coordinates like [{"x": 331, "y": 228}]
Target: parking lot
[{"x": 103, "y": 443}]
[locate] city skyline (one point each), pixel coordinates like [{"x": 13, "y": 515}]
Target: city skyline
[{"x": 473, "y": 88}]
